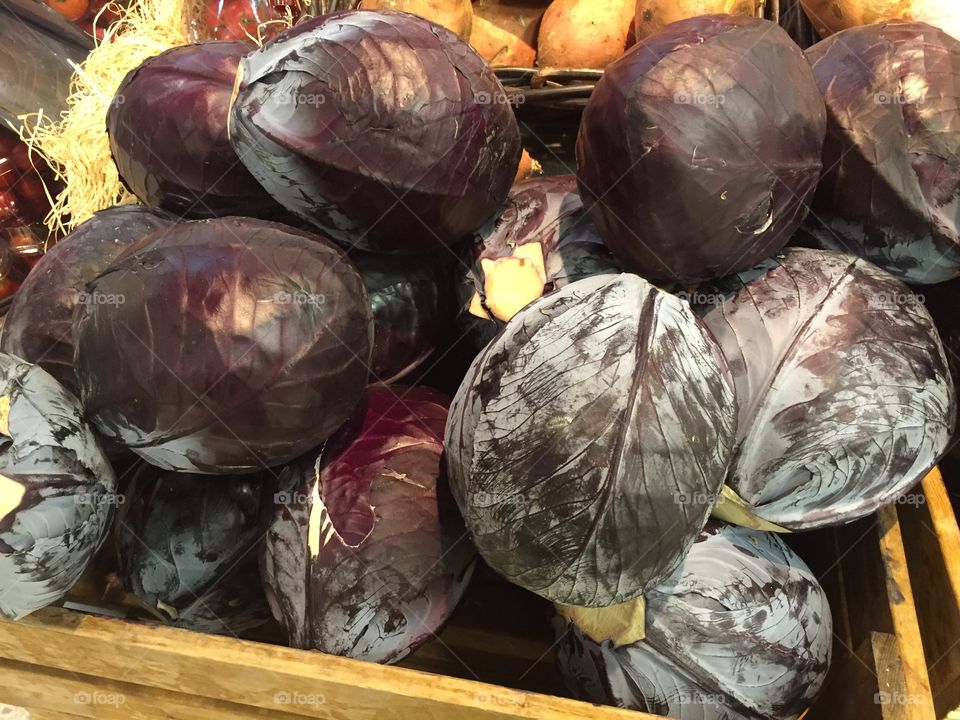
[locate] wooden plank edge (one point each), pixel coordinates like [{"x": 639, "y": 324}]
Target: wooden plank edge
[
  {"x": 945, "y": 525},
  {"x": 917, "y": 700},
  {"x": 253, "y": 674}
]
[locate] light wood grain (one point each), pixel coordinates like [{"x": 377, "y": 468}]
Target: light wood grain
[
  {"x": 914, "y": 701},
  {"x": 255, "y": 675}
]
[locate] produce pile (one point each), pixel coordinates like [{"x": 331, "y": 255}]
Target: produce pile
[{"x": 667, "y": 357}]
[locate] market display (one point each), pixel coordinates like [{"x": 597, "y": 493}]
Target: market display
[{"x": 283, "y": 235}]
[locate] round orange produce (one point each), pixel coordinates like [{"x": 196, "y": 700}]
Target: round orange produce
[
  {"x": 832, "y": 16},
  {"x": 652, "y": 15},
  {"x": 588, "y": 34}
]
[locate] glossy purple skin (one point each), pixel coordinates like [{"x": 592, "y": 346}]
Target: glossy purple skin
[
  {"x": 700, "y": 147},
  {"x": 844, "y": 390},
  {"x": 741, "y": 631},
  {"x": 191, "y": 544},
  {"x": 39, "y": 326},
  {"x": 394, "y": 559},
  {"x": 411, "y": 301},
  {"x": 891, "y": 185},
  {"x": 239, "y": 344},
  {"x": 168, "y": 134},
  {"x": 374, "y": 127}
]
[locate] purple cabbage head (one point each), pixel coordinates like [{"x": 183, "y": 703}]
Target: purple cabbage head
[
  {"x": 741, "y": 631},
  {"x": 57, "y": 489},
  {"x": 366, "y": 556},
  {"x": 700, "y": 148},
  {"x": 890, "y": 190},
  {"x": 38, "y": 327},
  {"x": 845, "y": 396},
  {"x": 588, "y": 442},
  {"x": 188, "y": 547},
  {"x": 224, "y": 346},
  {"x": 386, "y": 131},
  {"x": 168, "y": 134}
]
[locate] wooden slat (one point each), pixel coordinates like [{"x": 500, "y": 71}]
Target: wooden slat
[
  {"x": 916, "y": 700},
  {"x": 44, "y": 690},
  {"x": 931, "y": 540},
  {"x": 253, "y": 675}
]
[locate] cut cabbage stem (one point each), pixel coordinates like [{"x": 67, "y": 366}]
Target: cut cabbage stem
[
  {"x": 511, "y": 283},
  {"x": 621, "y": 624},
  {"x": 734, "y": 509},
  {"x": 5, "y": 415},
  {"x": 11, "y": 495}
]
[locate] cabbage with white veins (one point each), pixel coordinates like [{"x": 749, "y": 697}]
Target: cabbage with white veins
[
  {"x": 57, "y": 489},
  {"x": 845, "y": 396},
  {"x": 367, "y": 556},
  {"x": 588, "y": 442},
  {"x": 741, "y": 631}
]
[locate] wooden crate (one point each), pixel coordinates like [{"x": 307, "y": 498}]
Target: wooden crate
[{"x": 893, "y": 580}]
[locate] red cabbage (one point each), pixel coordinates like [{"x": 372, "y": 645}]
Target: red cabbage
[
  {"x": 845, "y": 396},
  {"x": 224, "y": 346},
  {"x": 588, "y": 442},
  {"x": 57, "y": 490},
  {"x": 890, "y": 190},
  {"x": 38, "y": 327},
  {"x": 366, "y": 556},
  {"x": 168, "y": 134},
  {"x": 386, "y": 131},
  {"x": 700, "y": 148},
  {"x": 741, "y": 631}
]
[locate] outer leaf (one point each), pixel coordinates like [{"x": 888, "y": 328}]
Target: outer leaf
[
  {"x": 891, "y": 185},
  {"x": 742, "y": 630},
  {"x": 844, "y": 393},
  {"x": 239, "y": 344},
  {"x": 188, "y": 547},
  {"x": 168, "y": 134},
  {"x": 384, "y": 130},
  {"x": 65, "y": 489},
  {"x": 700, "y": 148},
  {"x": 39, "y": 326},
  {"x": 367, "y": 557},
  {"x": 589, "y": 441},
  {"x": 411, "y": 303},
  {"x": 545, "y": 213}
]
